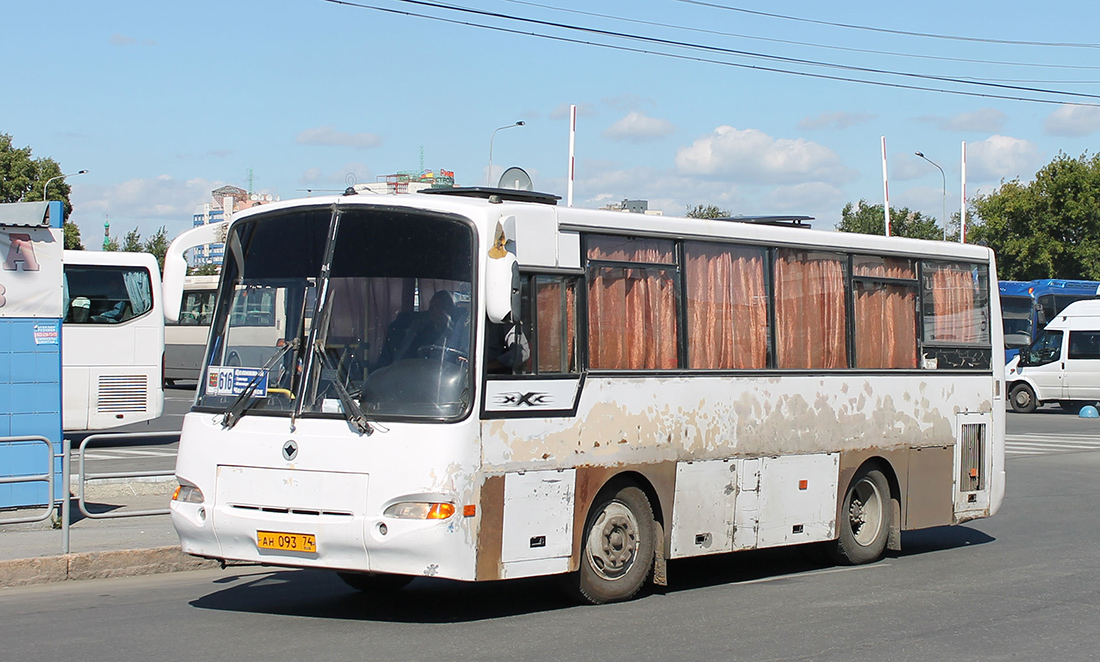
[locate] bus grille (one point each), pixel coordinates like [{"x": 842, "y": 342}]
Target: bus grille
[
  {"x": 122, "y": 393},
  {"x": 972, "y": 441}
]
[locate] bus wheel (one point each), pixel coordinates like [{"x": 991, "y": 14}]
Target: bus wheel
[
  {"x": 1022, "y": 399},
  {"x": 618, "y": 547},
  {"x": 373, "y": 582},
  {"x": 864, "y": 519}
]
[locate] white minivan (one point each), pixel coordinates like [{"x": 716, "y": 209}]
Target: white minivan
[{"x": 1063, "y": 363}]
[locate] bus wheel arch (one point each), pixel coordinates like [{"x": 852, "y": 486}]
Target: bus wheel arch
[
  {"x": 868, "y": 515},
  {"x": 620, "y": 541}
]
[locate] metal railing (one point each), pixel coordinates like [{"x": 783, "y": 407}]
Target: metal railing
[
  {"x": 83, "y": 479},
  {"x": 47, "y": 478}
]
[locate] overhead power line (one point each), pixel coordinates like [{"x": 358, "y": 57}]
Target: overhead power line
[
  {"x": 731, "y": 52},
  {"x": 794, "y": 42},
  {"x": 930, "y": 35}
]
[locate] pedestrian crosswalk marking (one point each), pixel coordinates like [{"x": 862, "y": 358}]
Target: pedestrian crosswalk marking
[
  {"x": 1043, "y": 444},
  {"x": 127, "y": 453}
]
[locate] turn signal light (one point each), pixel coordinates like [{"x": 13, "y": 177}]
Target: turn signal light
[
  {"x": 186, "y": 493},
  {"x": 420, "y": 510}
]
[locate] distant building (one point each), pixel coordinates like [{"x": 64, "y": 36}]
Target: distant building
[
  {"x": 225, "y": 199},
  {"x": 633, "y": 207},
  {"x": 408, "y": 181}
]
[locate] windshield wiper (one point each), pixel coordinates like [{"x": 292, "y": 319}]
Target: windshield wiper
[
  {"x": 351, "y": 409},
  {"x": 244, "y": 400}
]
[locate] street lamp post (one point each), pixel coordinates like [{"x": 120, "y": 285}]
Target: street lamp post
[
  {"x": 489, "y": 177},
  {"x": 80, "y": 172},
  {"x": 943, "y": 218}
]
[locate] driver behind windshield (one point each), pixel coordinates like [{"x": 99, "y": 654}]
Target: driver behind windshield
[{"x": 411, "y": 332}]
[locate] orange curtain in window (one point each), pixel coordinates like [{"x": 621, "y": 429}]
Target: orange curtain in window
[
  {"x": 955, "y": 317},
  {"x": 556, "y": 326},
  {"x": 810, "y": 310},
  {"x": 631, "y": 318},
  {"x": 886, "y": 325},
  {"x": 727, "y": 307}
]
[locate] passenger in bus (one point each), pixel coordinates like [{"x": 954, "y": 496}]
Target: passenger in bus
[{"x": 411, "y": 332}]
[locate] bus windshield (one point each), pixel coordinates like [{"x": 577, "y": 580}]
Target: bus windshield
[
  {"x": 1017, "y": 315},
  {"x": 375, "y": 303}
]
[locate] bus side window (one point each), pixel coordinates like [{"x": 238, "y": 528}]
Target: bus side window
[{"x": 552, "y": 314}]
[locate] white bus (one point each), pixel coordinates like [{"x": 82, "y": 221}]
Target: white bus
[
  {"x": 185, "y": 338},
  {"x": 677, "y": 387},
  {"x": 112, "y": 340}
]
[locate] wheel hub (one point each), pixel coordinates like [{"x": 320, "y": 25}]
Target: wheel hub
[{"x": 613, "y": 541}]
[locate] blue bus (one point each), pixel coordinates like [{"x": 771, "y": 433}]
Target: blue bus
[{"x": 1027, "y": 307}]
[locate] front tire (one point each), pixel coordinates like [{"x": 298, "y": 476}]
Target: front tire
[
  {"x": 864, "y": 519},
  {"x": 1022, "y": 399},
  {"x": 617, "y": 557}
]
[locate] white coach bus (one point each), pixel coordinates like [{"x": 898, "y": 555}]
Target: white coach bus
[
  {"x": 112, "y": 345},
  {"x": 185, "y": 337},
  {"x": 676, "y": 387}
]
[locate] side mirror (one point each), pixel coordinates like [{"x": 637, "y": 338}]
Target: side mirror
[
  {"x": 502, "y": 289},
  {"x": 175, "y": 266}
]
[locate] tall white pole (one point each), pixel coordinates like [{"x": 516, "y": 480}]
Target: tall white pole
[
  {"x": 962, "y": 209},
  {"x": 885, "y": 187},
  {"x": 572, "y": 154}
]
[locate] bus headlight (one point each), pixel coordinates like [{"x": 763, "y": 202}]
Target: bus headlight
[
  {"x": 419, "y": 510},
  {"x": 187, "y": 493}
]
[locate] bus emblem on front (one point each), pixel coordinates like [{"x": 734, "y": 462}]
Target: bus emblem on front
[{"x": 290, "y": 450}]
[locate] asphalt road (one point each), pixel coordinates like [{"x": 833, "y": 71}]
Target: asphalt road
[{"x": 1023, "y": 585}]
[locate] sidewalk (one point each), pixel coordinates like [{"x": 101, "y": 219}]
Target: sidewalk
[{"x": 99, "y": 548}]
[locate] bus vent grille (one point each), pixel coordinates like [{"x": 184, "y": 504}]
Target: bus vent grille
[
  {"x": 283, "y": 510},
  {"x": 122, "y": 393},
  {"x": 972, "y": 443}
]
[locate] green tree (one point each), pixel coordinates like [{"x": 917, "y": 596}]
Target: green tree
[
  {"x": 132, "y": 242},
  {"x": 870, "y": 219},
  {"x": 707, "y": 211},
  {"x": 1048, "y": 228},
  {"x": 111, "y": 244},
  {"x": 204, "y": 270},
  {"x": 72, "y": 237},
  {"x": 22, "y": 178},
  {"x": 158, "y": 245}
]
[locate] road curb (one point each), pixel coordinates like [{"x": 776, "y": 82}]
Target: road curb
[{"x": 98, "y": 565}]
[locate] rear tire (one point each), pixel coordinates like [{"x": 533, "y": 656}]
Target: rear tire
[
  {"x": 617, "y": 556},
  {"x": 1022, "y": 399},
  {"x": 864, "y": 519},
  {"x": 373, "y": 582}
]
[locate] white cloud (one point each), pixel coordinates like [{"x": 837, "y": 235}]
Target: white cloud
[
  {"x": 804, "y": 198},
  {"x": 638, "y": 127},
  {"x": 125, "y": 40},
  {"x": 1073, "y": 121},
  {"x": 986, "y": 120},
  {"x": 835, "y": 120},
  {"x": 145, "y": 204},
  {"x": 328, "y": 136},
  {"x": 627, "y": 101},
  {"x": 753, "y": 156},
  {"x": 561, "y": 112},
  {"x": 1001, "y": 157}
]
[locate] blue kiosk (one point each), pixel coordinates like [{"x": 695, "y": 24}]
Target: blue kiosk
[{"x": 31, "y": 310}]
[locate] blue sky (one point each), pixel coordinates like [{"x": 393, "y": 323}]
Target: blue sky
[{"x": 163, "y": 102}]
